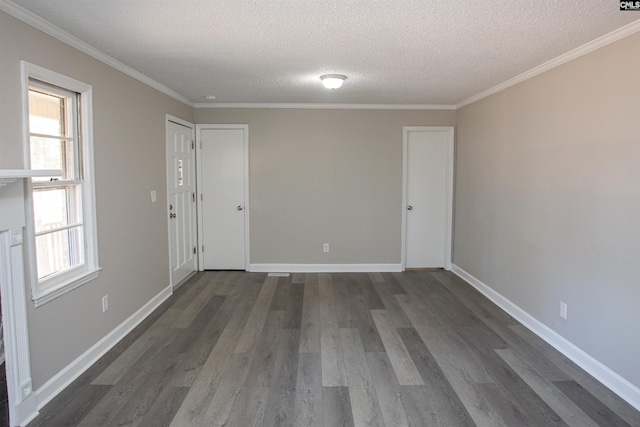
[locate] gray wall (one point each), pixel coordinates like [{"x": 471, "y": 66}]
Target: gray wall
[
  {"x": 129, "y": 143},
  {"x": 548, "y": 200},
  {"x": 325, "y": 176}
]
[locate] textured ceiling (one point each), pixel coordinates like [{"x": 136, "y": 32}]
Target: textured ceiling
[{"x": 273, "y": 51}]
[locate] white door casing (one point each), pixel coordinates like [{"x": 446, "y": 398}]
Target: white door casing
[
  {"x": 223, "y": 177},
  {"x": 427, "y": 197},
  {"x": 181, "y": 199}
]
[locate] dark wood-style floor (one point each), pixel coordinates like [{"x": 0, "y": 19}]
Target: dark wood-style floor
[{"x": 420, "y": 348}]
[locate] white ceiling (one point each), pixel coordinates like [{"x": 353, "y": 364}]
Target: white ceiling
[{"x": 273, "y": 51}]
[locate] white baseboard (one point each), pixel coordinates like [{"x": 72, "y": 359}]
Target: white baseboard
[
  {"x": 67, "y": 375},
  {"x": 324, "y": 268},
  {"x": 602, "y": 373}
]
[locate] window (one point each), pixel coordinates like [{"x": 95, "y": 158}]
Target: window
[{"x": 63, "y": 250}]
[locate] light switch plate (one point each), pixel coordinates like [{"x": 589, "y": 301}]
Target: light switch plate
[{"x": 153, "y": 196}]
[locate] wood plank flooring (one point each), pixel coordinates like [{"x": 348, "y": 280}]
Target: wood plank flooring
[{"x": 420, "y": 348}]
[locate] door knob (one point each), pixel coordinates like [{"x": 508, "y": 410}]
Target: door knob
[
  {"x": 172, "y": 215},
  {"x": 410, "y": 207},
  {"x": 240, "y": 207}
]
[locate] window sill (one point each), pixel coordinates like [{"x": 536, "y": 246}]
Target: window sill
[{"x": 62, "y": 288}]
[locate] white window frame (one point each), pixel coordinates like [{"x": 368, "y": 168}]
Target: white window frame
[{"x": 59, "y": 284}]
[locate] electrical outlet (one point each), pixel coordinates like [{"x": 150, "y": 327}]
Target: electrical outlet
[
  {"x": 325, "y": 247},
  {"x": 105, "y": 303},
  {"x": 563, "y": 310}
]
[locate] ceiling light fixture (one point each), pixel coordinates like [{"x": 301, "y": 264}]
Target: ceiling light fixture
[
  {"x": 333, "y": 81},
  {"x": 210, "y": 97}
]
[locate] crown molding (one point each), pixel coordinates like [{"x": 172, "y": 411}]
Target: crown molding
[
  {"x": 586, "y": 48},
  {"x": 45, "y": 26},
  {"x": 329, "y": 106}
]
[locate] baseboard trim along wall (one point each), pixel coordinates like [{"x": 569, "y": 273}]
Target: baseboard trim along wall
[
  {"x": 76, "y": 368},
  {"x": 324, "y": 268},
  {"x": 602, "y": 373}
]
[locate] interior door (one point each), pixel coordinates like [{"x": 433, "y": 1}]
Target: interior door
[
  {"x": 181, "y": 200},
  {"x": 428, "y": 186},
  {"x": 224, "y": 187}
]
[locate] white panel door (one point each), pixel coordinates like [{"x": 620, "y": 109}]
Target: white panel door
[
  {"x": 223, "y": 183},
  {"x": 427, "y": 162},
  {"x": 181, "y": 201}
]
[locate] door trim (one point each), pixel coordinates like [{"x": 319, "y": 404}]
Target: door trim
[
  {"x": 448, "y": 243},
  {"x": 245, "y": 128},
  {"x": 192, "y": 126}
]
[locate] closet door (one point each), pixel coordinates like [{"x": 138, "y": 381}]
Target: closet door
[{"x": 223, "y": 186}]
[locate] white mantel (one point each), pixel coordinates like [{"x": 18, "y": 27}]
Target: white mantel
[
  {"x": 8, "y": 176},
  {"x": 22, "y": 400}
]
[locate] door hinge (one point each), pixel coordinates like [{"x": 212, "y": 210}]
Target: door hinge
[
  {"x": 201, "y": 197},
  {"x": 193, "y": 145},
  {"x": 202, "y": 248},
  {"x": 193, "y": 197},
  {"x": 194, "y": 250}
]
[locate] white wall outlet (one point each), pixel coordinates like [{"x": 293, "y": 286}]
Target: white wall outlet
[
  {"x": 105, "y": 303},
  {"x": 563, "y": 310},
  {"x": 325, "y": 247},
  {"x": 154, "y": 197}
]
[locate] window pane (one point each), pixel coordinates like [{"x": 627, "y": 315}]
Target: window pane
[
  {"x": 59, "y": 251},
  {"x": 56, "y": 207},
  {"x": 46, "y": 114},
  {"x": 50, "y": 209},
  {"x": 47, "y": 153}
]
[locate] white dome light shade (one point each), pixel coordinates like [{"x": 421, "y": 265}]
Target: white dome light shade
[{"x": 333, "y": 81}]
